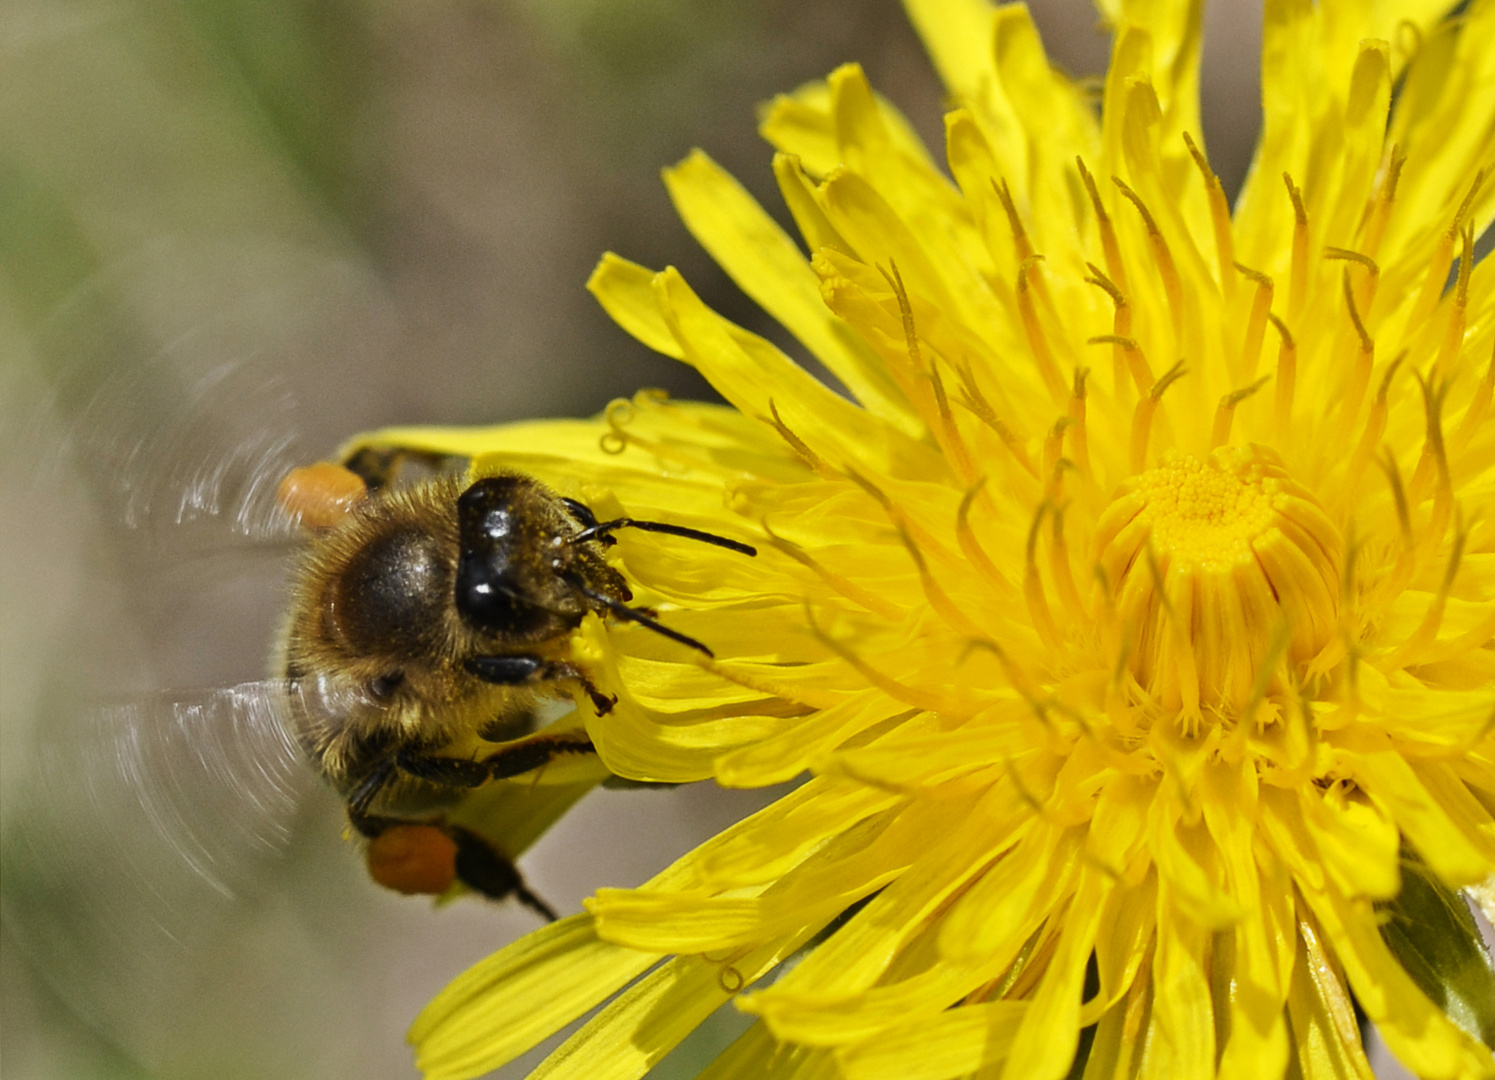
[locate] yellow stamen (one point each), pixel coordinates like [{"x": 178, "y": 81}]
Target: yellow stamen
[
  {"x": 1435, "y": 452},
  {"x": 621, "y": 411},
  {"x": 900, "y": 520},
  {"x": 1378, "y": 213},
  {"x": 1453, "y": 334},
  {"x": 938, "y": 598},
  {"x": 1219, "y": 211},
  {"x": 1287, "y": 376},
  {"x": 1047, "y": 367},
  {"x": 972, "y": 547},
  {"x": 1115, "y": 268},
  {"x": 976, "y": 402},
  {"x": 800, "y": 693},
  {"x": 1256, "y": 322},
  {"x": 1479, "y": 404},
  {"x": 1476, "y": 638},
  {"x": 1297, "y": 292},
  {"x": 1437, "y": 275},
  {"x": 1020, "y": 679},
  {"x": 1411, "y": 650},
  {"x": 1020, "y": 241},
  {"x": 1132, "y": 356},
  {"x": 1053, "y": 452},
  {"x": 808, "y": 456},
  {"x": 1225, "y": 411},
  {"x": 866, "y": 598},
  {"x": 618, "y": 415},
  {"x": 1375, "y": 427},
  {"x": 1078, "y": 440},
  {"x": 1433, "y": 456},
  {"x": 1121, "y": 323},
  {"x": 952, "y": 443},
  {"x": 1142, "y": 415},
  {"x": 1167, "y": 270},
  {"x": 918, "y": 698},
  {"x": 1359, "y": 379},
  {"x": 1391, "y": 586},
  {"x": 1365, "y": 295},
  {"x": 1038, "y": 605},
  {"x": 1063, "y": 573}
]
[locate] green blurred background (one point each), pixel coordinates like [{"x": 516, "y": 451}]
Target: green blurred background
[{"x": 234, "y": 232}]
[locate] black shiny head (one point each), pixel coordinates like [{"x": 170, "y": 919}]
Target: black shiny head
[{"x": 503, "y": 568}]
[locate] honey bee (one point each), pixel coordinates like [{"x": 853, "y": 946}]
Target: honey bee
[{"x": 437, "y": 615}]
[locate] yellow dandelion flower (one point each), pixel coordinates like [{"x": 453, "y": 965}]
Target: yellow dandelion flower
[{"x": 1133, "y": 614}]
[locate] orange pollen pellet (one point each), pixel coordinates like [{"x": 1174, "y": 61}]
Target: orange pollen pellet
[
  {"x": 417, "y": 860},
  {"x": 319, "y": 496}
]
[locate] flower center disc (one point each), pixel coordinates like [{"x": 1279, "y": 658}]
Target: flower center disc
[{"x": 1212, "y": 563}]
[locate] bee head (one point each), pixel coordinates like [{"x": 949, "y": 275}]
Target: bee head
[{"x": 513, "y": 559}]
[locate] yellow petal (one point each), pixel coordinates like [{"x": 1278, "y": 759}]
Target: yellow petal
[
  {"x": 549, "y": 977},
  {"x": 766, "y": 264},
  {"x": 955, "y": 1043},
  {"x": 648, "y": 1020}
]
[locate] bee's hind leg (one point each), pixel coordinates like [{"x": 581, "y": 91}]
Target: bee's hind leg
[
  {"x": 485, "y": 869},
  {"x": 425, "y": 858},
  {"x": 381, "y": 466}
]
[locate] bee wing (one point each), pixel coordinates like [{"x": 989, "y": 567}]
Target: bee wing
[
  {"x": 189, "y": 460},
  {"x": 214, "y": 775},
  {"x": 168, "y": 382},
  {"x": 177, "y": 838},
  {"x": 163, "y": 799},
  {"x": 144, "y": 828}
]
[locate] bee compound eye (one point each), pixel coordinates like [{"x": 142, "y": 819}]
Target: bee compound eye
[{"x": 391, "y": 595}]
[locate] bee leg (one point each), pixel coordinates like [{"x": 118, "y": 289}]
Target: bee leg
[
  {"x": 584, "y": 516},
  {"x": 362, "y": 796},
  {"x": 602, "y": 703},
  {"x": 446, "y": 771},
  {"x": 510, "y": 670},
  {"x": 421, "y": 867},
  {"x": 487, "y": 870},
  {"x": 379, "y": 466},
  {"x": 369, "y": 826},
  {"x": 522, "y": 757},
  {"x": 522, "y": 669},
  {"x": 509, "y": 761}
]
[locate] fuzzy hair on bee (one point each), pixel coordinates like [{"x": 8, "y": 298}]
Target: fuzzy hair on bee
[
  {"x": 439, "y": 614},
  {"x": 375, "y": 609}
]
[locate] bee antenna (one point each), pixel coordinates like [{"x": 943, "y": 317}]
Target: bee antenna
[
  {"x": 623, "y": 611},
  {"x": 601, "y": 529}
]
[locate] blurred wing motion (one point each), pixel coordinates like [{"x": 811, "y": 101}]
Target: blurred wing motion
[
  {"x": 145, "y": 823},
  {"x": 217, "y": 776},
  {"x": 191, "y": 463}
]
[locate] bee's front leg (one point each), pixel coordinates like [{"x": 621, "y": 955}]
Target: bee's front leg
[{"x": 523, "y": 669}]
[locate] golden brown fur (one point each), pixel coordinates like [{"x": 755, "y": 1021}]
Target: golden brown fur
[{"x": 373, "y": 615}]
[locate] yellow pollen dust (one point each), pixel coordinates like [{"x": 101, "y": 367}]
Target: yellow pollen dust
[
  {"x": 1220, "y": 568},
  {"x": 1203, "y": 516}
]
